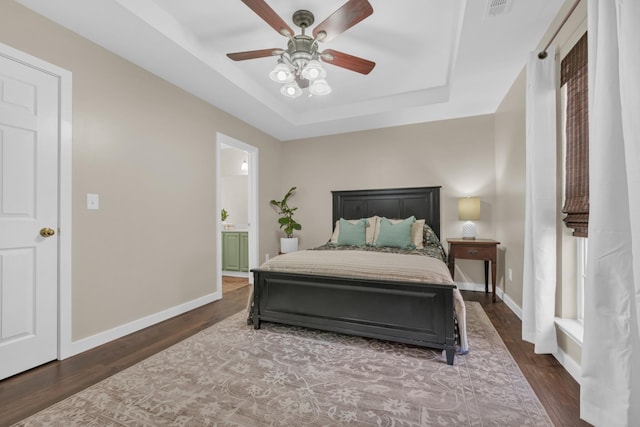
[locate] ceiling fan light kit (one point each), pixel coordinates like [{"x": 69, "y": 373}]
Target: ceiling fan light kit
[
  {"x": 291, "y": 90},
  {"x": 281, "y": 73},
  {"x": 299, "y": 65},
  {"x": 319, "y": 87},
  {"x": 313, "y": 70}
]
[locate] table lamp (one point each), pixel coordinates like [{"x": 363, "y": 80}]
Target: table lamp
[{"x": 469, "y": 211}]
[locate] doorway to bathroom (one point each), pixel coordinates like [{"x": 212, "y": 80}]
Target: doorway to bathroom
[{"x": 237, "y": 213}]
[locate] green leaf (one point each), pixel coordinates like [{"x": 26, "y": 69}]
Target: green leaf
[{"x": 286, "y": 221}]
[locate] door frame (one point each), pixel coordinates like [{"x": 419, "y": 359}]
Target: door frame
[
  {"x": 65, "y": 93},
  {"x": 254, "y": 244}
]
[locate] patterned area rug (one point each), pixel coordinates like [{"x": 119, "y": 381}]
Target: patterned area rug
[{"x": 233, "y": 375}]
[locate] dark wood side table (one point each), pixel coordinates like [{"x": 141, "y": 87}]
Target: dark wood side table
[{"x": 480, "y": 249}]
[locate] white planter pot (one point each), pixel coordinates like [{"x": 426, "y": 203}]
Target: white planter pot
[{"x": 288, "y": 244}]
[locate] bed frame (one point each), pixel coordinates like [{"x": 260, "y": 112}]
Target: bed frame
[{"x": 412, "y": 313}]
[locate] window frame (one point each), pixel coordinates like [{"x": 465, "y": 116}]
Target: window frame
[{"x": 582, "y": 248}]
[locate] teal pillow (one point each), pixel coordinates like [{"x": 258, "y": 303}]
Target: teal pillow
[
  {"x": 395, "y": 235},
  {"x": 352, "y": 234}
]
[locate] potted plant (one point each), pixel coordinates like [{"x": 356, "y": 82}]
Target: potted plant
[
  {"x": 287, "y": 223},
  {"x": 224, "y": 214}
]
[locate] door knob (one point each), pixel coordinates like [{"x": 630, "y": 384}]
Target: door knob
[{"x": 47, "y": 232}]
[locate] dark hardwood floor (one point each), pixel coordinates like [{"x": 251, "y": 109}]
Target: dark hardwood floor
[
  {"x": 556, "y": 389},
  {"x": 32, "y": 391}
]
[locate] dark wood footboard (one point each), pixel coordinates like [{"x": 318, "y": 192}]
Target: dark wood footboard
[{"x": 411, "y": 313}]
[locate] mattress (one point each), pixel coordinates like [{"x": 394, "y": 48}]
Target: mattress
[{"x": 364, "y": 265}]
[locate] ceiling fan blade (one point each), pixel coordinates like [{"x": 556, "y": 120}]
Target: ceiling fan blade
[
  {"x": 264, "y": 11},
  {"x": 253, "y": 54},
  {"x": 350, "y": 62},
  {"x": 342, "y": 19}
]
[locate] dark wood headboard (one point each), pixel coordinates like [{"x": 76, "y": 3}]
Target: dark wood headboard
[{"x": 421, "y": 202}]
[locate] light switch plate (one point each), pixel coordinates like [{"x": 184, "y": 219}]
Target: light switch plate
[{"x": 93, "y": 201}]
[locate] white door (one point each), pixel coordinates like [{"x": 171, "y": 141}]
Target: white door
[{"x": 29, "y": 129}]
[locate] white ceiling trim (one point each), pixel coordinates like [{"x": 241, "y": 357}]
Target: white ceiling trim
[{"x": 435, "y": 60}]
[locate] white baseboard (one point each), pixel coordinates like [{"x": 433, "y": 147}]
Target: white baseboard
[
  {"x": 468, "y": 286},
  {"x": 517, "y": 310},
  {"x": 235, "y": 273},
  {"x": 128, "y": 328},
  {"x": 479, "y": 287},
  {"x": 569, "y": 364}
]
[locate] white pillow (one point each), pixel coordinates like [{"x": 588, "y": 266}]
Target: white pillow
[{"x": 369, "y": 232}]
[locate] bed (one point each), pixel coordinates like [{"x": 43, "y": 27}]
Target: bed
[{"x": 408, "y": 309}]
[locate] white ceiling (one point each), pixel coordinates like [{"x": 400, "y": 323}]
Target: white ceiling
[{"x": 434, "y": 59}]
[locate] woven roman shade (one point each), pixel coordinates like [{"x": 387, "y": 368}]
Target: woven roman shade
[{"x": 573, "y": 73}]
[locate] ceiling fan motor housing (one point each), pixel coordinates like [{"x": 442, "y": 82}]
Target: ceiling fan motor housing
[{"x": 301, "y": 49}]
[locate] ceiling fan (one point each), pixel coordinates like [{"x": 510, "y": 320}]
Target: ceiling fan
[{"x": 298, "y": 66}]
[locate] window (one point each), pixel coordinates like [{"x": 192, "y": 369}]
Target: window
[
  {"x": 574, "y": 79},
  {"x": 575, "y": 123}
]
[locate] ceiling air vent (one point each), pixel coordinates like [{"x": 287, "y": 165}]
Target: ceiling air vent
[{"x": 497, "y": 7}]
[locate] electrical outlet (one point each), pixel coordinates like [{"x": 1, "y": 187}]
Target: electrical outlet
[
  {"x": 510, "y": 275},
  {"x": 93, "y": 201},
  {"x": 266, "y": 257}
]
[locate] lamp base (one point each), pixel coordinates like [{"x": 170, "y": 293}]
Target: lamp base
[{"x": 469, "y": 231}]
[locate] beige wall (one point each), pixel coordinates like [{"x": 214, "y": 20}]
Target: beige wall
[
  {"x": 148, "y": 149},
  {"x": 510, "y": 186},
  {"x": 455, "y": 154}
]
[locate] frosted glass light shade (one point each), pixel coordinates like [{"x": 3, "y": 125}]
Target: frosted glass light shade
[
  {"x": 281, "y": 74},
  {"x": 319, "y": 87},
  {"x": 292, "y": 90},
  {"x": 313, "y": 70}
]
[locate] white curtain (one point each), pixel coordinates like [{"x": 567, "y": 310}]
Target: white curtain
[
  {"x": 610, "y": 386},
  {"x": 539, "y": 276}
]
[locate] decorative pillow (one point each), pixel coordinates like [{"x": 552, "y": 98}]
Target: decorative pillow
[
  {"x": 430, "y": 237},
  {"x": 372, "y": 225},
  {"x": 416, "y": 232},
  {"x": 352, "y": 234},
  {"x": 395, "y": 235}
]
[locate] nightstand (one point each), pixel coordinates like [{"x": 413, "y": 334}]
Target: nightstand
[{"x": 479, "y": 249}]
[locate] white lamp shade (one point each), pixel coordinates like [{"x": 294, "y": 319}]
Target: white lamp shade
[
  {"x": 469, "y": 209},
  {"x": 319, "y": 87},
  {"x": 291, "y": 89},
  {"x": 313, "y": 70}
]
